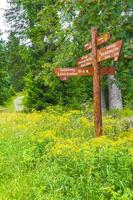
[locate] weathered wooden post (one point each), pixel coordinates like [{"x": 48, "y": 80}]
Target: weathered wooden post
[{"x": 96, "y": 86}]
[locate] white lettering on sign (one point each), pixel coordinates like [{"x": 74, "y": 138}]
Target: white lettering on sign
[
  {"x": 85, "y": 60},
  {"x": 85, "y": 64},
  {"x": 67, "y": 69},
  {"x": 111, "y": 51},
  {"x": 100, "y": 40},
  {"x": 64, "y": 73}
]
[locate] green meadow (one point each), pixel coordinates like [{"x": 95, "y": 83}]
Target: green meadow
[{"x": 54, "y": 155}]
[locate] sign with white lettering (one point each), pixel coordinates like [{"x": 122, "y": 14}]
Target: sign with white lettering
[
  {"x": 85, "y": 60},
  {"x": 100, "y": 40},
  {"x": 111, "y": 51},
  {"x": 97, "y": 55},
  {"x": 77, "y": 71},
  {"x": 63, "y": 78},
  {"x": 64, "y": 73}
]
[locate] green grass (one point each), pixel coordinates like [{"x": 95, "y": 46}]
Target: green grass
[
  {"x": 54, "y": 155},
  {"x": 126, "y": 112}
]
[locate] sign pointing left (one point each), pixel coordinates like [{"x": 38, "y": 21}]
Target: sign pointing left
[
  {"x": 64, "y": 73},
  {"x": 77, "y": 71}
]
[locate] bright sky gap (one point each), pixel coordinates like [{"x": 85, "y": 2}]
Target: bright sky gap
[{"x": 3, "y": 25}]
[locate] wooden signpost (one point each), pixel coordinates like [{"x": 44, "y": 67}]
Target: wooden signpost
[
  {"x": 96, "y": 86},
  {"x": 94, "y": 59}
]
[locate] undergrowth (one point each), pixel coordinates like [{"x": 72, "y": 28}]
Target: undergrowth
[{"x": 54, "y": 155}]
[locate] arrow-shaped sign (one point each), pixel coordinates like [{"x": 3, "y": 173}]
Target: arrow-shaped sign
[
  {"x": 111, "y": 51},
  {"x": 108, "y": 70},
  {"x": 100, "y": 40},
  {"x": 85, "y": 60},
  {"x": 77, "y": 71},
  {"x": 63, "y": 78},
  {"x": 63, "y": 73}
]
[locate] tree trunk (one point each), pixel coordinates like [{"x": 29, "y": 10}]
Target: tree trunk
[
  {"x": 115, "y": 97},
  {"x": 103, "y": 103}
]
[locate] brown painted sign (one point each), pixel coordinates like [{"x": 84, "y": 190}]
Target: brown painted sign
[
  {"x": 63, "y": 78},
  {"x": 64, "y": 73},
  {"x": 111, "y": 51},
  {"x": 100, "y": 40},
  {"x": 108, "y": 70},
  {"x": 98, "y": 55},
  {"x": 85, "y": 60}
]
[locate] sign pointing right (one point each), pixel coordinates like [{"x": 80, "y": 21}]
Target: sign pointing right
[
  {"x": 100, "y": 40},
  {"x": 110, "y": 51}
]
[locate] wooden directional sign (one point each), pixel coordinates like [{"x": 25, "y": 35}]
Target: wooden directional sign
[
  {"x": 98, "y": 55},
  {"x": 77, "y": 71},
  {"x": 111, "y": 51},
  {"x": 107, "y": 71},
  {"x": 100, "y": 40},
  {"x": 64, "y": 73},
  {"x": 63, "y": 78},
  {"x": 85, "y": 60}
]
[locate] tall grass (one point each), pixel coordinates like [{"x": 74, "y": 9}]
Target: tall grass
[{"x": 53, "y": 155}]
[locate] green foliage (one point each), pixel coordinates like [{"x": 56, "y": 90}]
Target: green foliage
[
  {"x": 5, "y": 86},
  {"x": 5, "y": 92},
  {"x": 56, "y": 33},
  {"x": 17, "y": 63},
  {"x": 53, "y": 155}
]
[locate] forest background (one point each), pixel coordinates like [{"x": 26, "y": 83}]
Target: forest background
[
  {"x": 54, "y": 154},
  {"x": 45, "y": 34}
]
